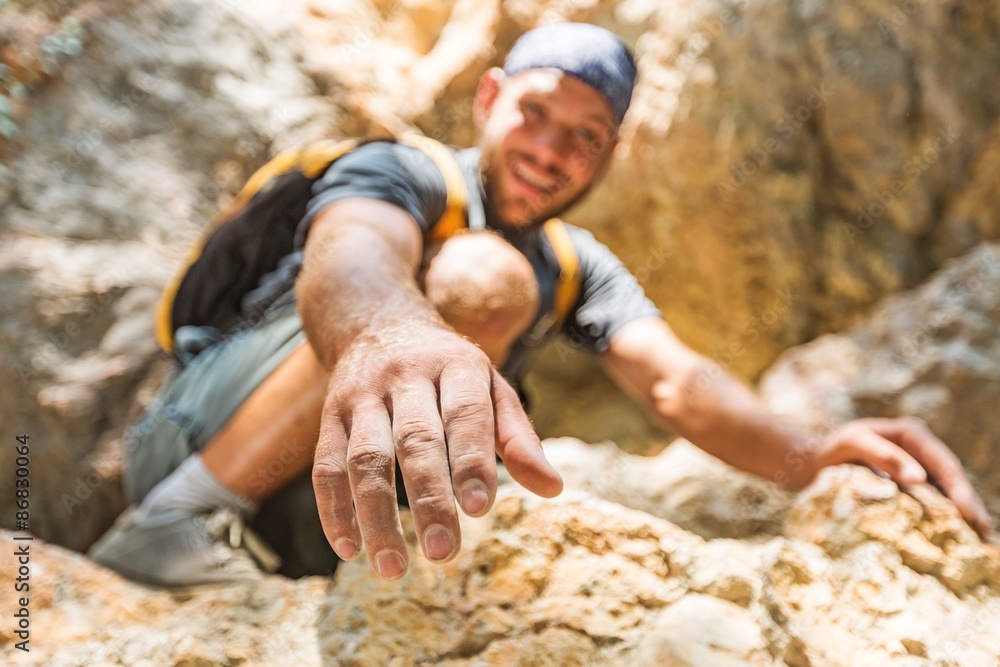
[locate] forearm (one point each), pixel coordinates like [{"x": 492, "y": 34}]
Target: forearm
[
  {"x": 358, "y": 276},
  {"x": 700, "y": 401},
  {"x": 719, "y": 414}
]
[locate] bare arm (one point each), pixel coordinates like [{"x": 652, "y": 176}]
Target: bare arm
[
  {"x": 709, "y": 407},
  {"x": 403, "y": 386},
  {"x": 359, "y": 260}
]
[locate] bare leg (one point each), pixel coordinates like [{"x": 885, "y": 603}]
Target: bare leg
[{"x": 274, "y": 431}]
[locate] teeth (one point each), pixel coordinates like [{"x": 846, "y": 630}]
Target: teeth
[{"x": 532, "y": 180}]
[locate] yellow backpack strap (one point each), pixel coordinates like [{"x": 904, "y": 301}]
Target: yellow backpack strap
[
  {"x": 455, "y": 214},
  {"x": 310, "y": 160},
  {"x": 568, "y": 284}
]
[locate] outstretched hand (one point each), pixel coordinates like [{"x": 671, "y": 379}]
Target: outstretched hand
[
  {"x": 909, "y": 453},
  {"x": 432, "y": 401}
]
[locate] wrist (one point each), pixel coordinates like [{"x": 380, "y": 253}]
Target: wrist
[{"x": 801, "y": 462}]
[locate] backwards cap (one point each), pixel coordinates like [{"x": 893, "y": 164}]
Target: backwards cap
[{"x": 586, "y": 52}]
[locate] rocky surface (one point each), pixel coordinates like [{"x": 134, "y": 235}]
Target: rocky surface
[{"x": 857, "y": 573}]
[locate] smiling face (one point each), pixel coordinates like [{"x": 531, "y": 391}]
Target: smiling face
[{"x": 546, "y": 138}]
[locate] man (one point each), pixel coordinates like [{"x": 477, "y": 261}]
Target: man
[{"x": 382, "y": 364}]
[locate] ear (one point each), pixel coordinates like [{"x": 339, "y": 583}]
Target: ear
[{"x": 489, "y": 89}]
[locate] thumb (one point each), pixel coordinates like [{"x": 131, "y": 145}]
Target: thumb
[
  {"x": 518, "y": 445},
  {"x": 862, "y": 445}
]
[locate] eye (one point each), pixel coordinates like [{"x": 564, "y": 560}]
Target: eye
[
  {"x": 532, "y": 109},
  {"x": 586, "y": 136}
]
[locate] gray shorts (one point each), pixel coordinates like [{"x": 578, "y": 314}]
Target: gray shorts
[{"x": 196, "y": 403}]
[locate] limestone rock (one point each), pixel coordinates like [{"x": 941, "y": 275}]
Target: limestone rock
[
  {"x": 572, "y": 581},
  {"x": 784, "y": 166},
  {"x": 682, "y": 484},
  {"x": 702, "y": 631},
  {"x": 82, "y": 614},
  {"x": 121, "y": 156}
]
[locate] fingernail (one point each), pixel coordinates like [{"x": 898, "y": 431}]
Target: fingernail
[
  {"x": 913, "y": 474},
  {"x": 438, "y": 543},
  {"x": 474, "y": 497},
  {"x": 389, "y": 564},
  {"x": 345, "y": 548}
]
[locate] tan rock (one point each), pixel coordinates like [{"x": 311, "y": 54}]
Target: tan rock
[
  {"x": 575, "y": 581},
  {"x": 924, "y": 529},
  {"x": 682, "y": 484},
  {"x": 703, "y": 631}
]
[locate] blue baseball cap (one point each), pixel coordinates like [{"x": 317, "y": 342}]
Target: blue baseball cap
[{"x": 586, "y": 52}]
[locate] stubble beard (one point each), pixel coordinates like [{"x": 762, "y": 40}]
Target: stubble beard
[{"x": 490, "y": 185}]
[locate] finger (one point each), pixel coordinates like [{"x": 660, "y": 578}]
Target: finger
[
  {"x": 423, "y": 460},
  {"x": 970, "y": 505},
  {"x": 467, "y": 415},
  {"x": 859, "y": 444},
  {"x": 333, "y": 488},
  {"x": 942, "y": 466},
  {"x": 518, "y": 444},
  {"x": 371, "y": 466}
]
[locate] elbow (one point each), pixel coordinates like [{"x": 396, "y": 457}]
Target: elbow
[
  {"x": 675, "y": 393},
  {"x": 669, "y": 399}
]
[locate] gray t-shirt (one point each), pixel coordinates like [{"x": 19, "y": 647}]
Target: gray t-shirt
[{"x": 610, "y": 296}]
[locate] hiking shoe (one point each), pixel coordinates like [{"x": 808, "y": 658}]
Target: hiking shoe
[{"x": 208, "y": 548}]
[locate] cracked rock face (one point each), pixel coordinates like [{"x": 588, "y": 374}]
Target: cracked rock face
[{"x": 860, "y": 574}]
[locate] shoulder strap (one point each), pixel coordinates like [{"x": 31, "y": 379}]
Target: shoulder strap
[
  {"x": 454, "y": 218},
  {"x": 310, "y": 160},
  {"x": 568, "y": 285}
]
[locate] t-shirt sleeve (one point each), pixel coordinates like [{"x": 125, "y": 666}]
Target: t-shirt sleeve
[
  {"x": 610, "y": 296},
  {"x": 391, "y": 172}
]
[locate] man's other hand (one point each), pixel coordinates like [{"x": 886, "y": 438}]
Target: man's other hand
[
  {"x": 431, "y": 400},
  {"x": 909, "y": 453}
]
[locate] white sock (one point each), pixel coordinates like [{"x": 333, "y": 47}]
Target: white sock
[{"x": 190, "y": 489}]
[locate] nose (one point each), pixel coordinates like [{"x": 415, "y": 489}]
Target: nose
[{"x": 551, "y": 148}]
